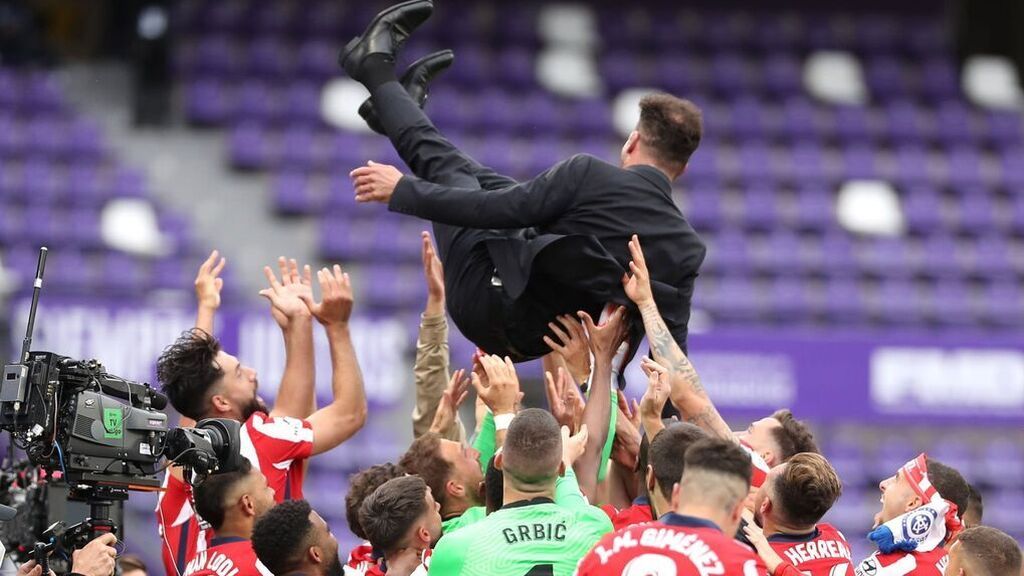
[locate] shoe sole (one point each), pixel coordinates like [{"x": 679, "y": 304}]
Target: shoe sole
[{"x": 386, "y": 12}]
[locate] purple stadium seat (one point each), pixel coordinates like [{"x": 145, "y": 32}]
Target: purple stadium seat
[
  {"x": 1002, "y": 463},
  {"x": 844, "y": 302},
  {"x": 1003, "y": 303},
  {"x": 950, "y": 303}
]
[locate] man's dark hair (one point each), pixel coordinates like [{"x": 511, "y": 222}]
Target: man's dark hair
[
  {"x": 212, "y": 493},
  {"x": 793, "y": 437},
  {"x": 494, "y": 487},
  {"x": 720, "y": 457},
  {"x": 975, "y": 504},
  {"x": 362, "y": 484},
  {"x": 533, "y": 448},
  {"x": 388, "y": 513},
  {"x": 129, "y": 562},
  {"x": 668, "y": 453},
  {"x": 806, "y": 489},
  {"x": 423, "y": 458},
  {"x": 282, "y": 536},
  {"x": 188, "y": 369},
  {"x": 670, "y": 127},
  {"x": 950, "y": 485},
  {"x": 990, "y": 551}
]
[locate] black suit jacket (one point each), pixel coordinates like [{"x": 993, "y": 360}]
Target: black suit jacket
[{"x": 570, "y": 227}]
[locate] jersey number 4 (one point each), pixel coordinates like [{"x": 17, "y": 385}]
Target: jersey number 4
[{"x": 542, "y": 570}]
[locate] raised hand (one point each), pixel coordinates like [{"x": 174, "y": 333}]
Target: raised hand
[
  {"x": 605, "y": 339},
  {"x": 375, "y": 182},
  {"x": 637, "y": 284},
  {"x": 659, "y": 386},
  {"x": 335, "y": 307},
  {"x": 434, "y": 274},
  {"x": 501, "y": 391},
  {"x": 631, "y": 412},
  {"x": 208, "y": 282},
  {"x": 451, "y": 399},
  {"x": 564, "y": 399},
  {"x": 571, "y": 345},
  {"x": 573, "y": 446},
  {"x": 286, "y": 295}
]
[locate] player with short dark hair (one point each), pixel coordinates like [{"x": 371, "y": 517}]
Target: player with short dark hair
[
  {"x": 921, "y": 509},
  {"x": 402, "y": 522},
  {"x": 203, "y": 381},
  {"x": 360, "y": 485},
  {"x": 787, "y": 510},
  {"x": 531, "y": 531},
  {"x": 696, "y": 537},
  {"x": 975, "y": 508},
  {"x": 292, "y": 539},
  {"x": 231, "y": 502},
  {"x": 661, "y": 469},
  {"x": 537, "y": 249},
  {"x": 984, "y": 551}
]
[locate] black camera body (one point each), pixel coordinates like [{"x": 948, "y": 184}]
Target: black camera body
[{"x": 72, "y": 416}]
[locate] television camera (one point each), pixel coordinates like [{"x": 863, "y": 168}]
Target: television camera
[{"x": 94, "y": 434}]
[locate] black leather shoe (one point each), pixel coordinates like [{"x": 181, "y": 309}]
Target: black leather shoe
[
  {"x": 416, "y": 82},
  {"x": 385, "y": 34}
]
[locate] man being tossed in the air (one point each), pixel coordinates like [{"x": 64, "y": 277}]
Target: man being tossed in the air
[
  {"x": 203, "y": 381},
  {"x": 231, "y": 502},
  {"x": 517, "y": 254}
]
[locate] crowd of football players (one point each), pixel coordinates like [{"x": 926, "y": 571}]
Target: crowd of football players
[{"x": 593, "y": 484}]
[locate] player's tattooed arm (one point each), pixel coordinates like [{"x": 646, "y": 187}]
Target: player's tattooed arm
[{"x": 688, "y": 394}]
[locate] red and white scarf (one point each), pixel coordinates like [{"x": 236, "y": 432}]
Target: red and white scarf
[{"x": 931, "y": 524}]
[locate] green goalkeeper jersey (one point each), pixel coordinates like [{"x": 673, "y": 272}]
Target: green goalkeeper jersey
[{"x": 529, "y": 538}]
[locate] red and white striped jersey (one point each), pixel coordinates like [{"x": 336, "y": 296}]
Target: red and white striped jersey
[
  {"x": 274, "y": 446},
  {"x": 823, "y": 552}
]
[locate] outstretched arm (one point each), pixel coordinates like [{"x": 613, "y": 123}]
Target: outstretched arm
[
  {"x": 430, "y": 371},
  {"x": 688, "y": 395},
  {"x": 342, "y": 418},
  {"x": 604, "y": 341},
  {"x": 296, "y": 396},
  {"x": 519, "y": 205},
  {"x": 208, "y": 285}
]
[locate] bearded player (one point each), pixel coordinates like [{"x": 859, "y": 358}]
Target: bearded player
[{"x": 203, "y": 381}]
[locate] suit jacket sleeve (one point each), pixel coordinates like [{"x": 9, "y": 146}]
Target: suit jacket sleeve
[{"x": 521, "y": 205}]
